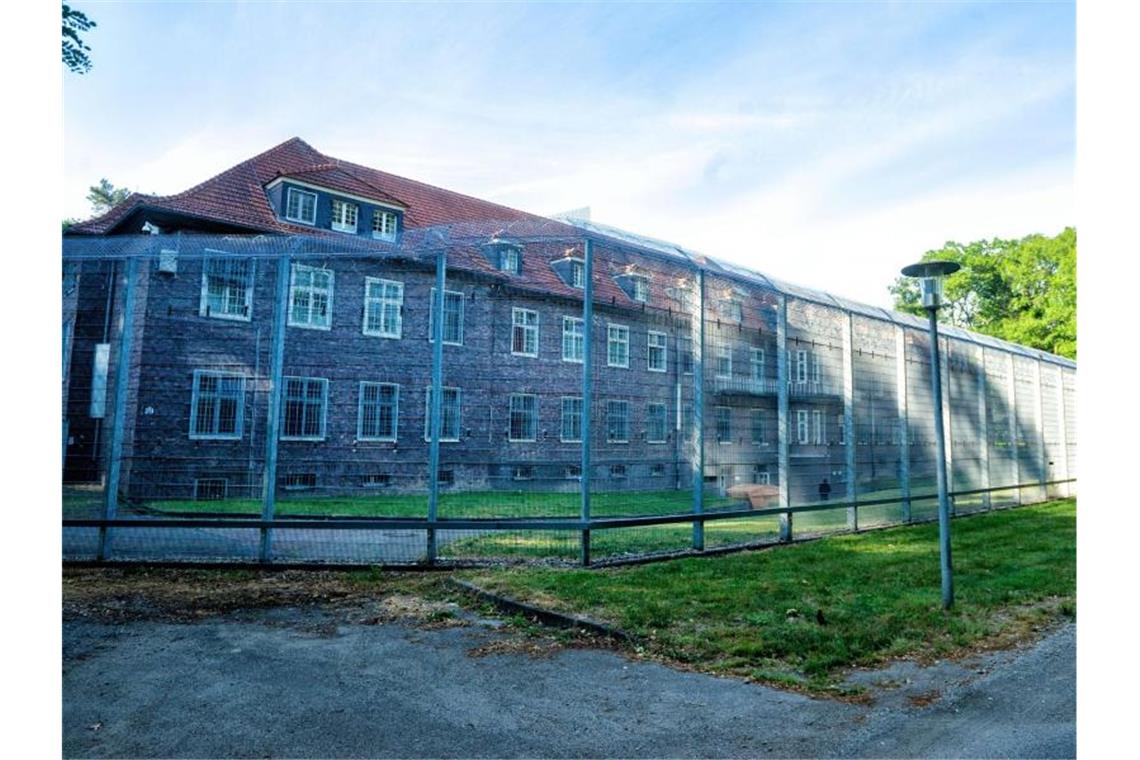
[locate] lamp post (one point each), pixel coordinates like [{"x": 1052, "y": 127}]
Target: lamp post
[{"x": 931, "y": 274}]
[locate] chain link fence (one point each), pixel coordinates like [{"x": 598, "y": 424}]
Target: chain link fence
[{"x": 532, "y": 392}]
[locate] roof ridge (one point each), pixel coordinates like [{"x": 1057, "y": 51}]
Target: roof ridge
[{"x": 248, "y": 163}]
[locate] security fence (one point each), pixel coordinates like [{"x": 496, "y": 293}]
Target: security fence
[{"x": 553, "y": 391}]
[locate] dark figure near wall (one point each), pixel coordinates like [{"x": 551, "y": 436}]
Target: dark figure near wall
[{"x": 824, "y": 490}]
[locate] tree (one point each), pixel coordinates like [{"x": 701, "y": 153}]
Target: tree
[
  {"x": 1023, "y": 291},
  {"x": 74, "y": 50},
  {"x": 105, "y": 196}
]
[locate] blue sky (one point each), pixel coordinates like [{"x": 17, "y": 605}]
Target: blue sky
[{"x": 827, "y": 143}]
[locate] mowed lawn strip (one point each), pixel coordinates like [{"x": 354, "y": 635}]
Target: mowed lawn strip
[{"x": 757, "y": 614}]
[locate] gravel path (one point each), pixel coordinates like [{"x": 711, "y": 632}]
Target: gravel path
[{"x": 287, "y": 682}]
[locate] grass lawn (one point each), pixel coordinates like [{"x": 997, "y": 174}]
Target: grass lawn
[{"x": 754, "y": 614}]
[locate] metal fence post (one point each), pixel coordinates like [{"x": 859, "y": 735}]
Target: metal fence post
[
  {"x": 948, "y": 402},
  {"x": 587, "y": 396},
  {"x": 983, "y": 426},
  {"x": 122, "y": 385},
  {"x": 1063, "y": 433},
  {"x": 273, "y": 426},
  {"x": 903, "y": 403},
  {"x": 1011, "y": 400},
  {"x": 436, "y": 401},
  {"x": 698, "y": 344},
  {"x": 782, "y": 416},
  {"x": 849, "y": 421},
  {"x": 1041, "y": 432}
]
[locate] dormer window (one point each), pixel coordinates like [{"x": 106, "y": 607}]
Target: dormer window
[
  {"x": 344, "y": 216},
  {"x": 510, "y": 260},
  {"x": 383, "y": 225},
  {"x": 578, "y": 273},
  {"x": 301, "y": 206},
  {"x": 734, "y": 310},
  {"x": 639, "y": 289}
]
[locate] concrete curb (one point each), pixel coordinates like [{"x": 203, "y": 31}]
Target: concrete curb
[{"x": 544, "y": 616}]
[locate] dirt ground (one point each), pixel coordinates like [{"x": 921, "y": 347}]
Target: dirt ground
[{"x": 312, "y": 664}]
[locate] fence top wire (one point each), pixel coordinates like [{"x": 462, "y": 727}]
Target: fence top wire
[{"x": 468, "y": 238}]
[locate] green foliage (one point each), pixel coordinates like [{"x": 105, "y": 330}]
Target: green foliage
[
  {"x": 74, "y": 50},
  {"x": 1023, "y": 291},
  {"x": 105, "y": 196}
]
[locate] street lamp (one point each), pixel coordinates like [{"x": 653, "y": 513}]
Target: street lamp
[{"x": 931, "y": 274}]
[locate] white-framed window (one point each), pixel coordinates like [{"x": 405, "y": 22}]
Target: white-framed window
[
  {"x": 344, "y": 216},
  {"x": 801, "y": 366},
  {"x": 578, "y": 273},
  {"x": 617, "y": 346},
  {"x": 724, "y": 360},
  {"x": 227, "y": 288},
  {"x": 816, "y": 368},
  {"x": 310, "y": 297},
  {"x": 756, "y": 418},
  {"x": 617, "y": 422},
  {"x": 756, "y": 359},
  {"x": 452, "y": 318},
  {"x": 524, "y": 417},
  {"x": 524, "y": 332},
  {"x": 639, "y": 286},
  {"x": 801, "y": 426},
  {"x": 449, "y": 415},
  {"x": 217, "y": 405},
  {"x": 571, "y": 419},
  {"x": 304, "y": 405},
  {"x": 656, "y": 423},
  {"x": 383, "y": 304},
  {"x": 383, "y": 225},
  {"x": 817, "y": 426},
  {"x": 723, "y": 424},
  {"x": 379, "y": 411},
  {"x": 510, "y": 260},
  {"x": 734, "y": 310},
  {"x": 842, "y": 427},
  {"x": 573, "y": 340},
  {"x": 300, "y": 206},
  {"x": 657, "y": 351}
]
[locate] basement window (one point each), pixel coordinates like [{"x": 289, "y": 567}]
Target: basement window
[
  {"x": 210, "y": 489},
  {"x": 301, "y": 481}
]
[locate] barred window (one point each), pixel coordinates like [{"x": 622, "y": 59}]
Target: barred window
[
  {"x": 723, "y": 424},
  {"x": 344, "y": 216},
  {"x": 617, "y": 422},
  {"x": 452, "y": 317},
  {"x": 723, "y": 360},
  {"x": 301, "y": 206},
  {"x": 449, "y": 415},
  {"x": 801, "y": 426},
  {"x": 524, "y": 417},
  {"x": 757, "y": 362},
  {"x": 383, "y": 302},
  {"x": 216, "y": 405},
  {"x": 304, "y": 404},
  {"x": 571, "y": 419},
  {"x": 656, "y": 423},
  {"x": 573, "y": 340},
  {"x": 801, "y": 366},
  {"x": 383, "y": 225},
  {"x": 524, "y": 333},
  {"x": 757, "y": 420},
  {"x": 686, "y": 355},
  {"x": 817, "y": 424},
  {"x": 379, "y": 411},
  {"x": 227, "y": 288},
  {"x": 310, "y": 297},
  {"x": 658, "y": 342},
  {"x": 618, "y": 346}
]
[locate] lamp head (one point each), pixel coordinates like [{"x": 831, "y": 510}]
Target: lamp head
[{"x": 931, "y": 273}]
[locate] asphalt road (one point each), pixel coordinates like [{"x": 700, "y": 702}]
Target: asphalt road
[{"x": 312, "y": 683}]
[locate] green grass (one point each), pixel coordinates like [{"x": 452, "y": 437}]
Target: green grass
[{"x": 879, "y": 593}]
